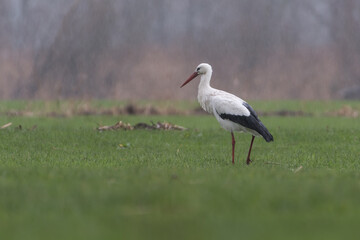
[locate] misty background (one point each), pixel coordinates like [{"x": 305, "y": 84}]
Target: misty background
[{"x": 132, "y": 49}]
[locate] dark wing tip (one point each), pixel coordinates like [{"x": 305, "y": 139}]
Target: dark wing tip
[
  {"x": 251, "y": 110},
  {"x": 265, "y": 132},
  {"x": 269, "y": 138},
  {"x": 262, "y": 130},
  {"x": 250, "y": 122}
]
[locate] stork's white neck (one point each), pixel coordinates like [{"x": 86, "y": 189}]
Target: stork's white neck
[
  {"x": 205, "y": 80},
  {"x": 205, "y": 91}
]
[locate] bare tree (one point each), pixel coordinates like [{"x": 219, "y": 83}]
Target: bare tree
[
  {"x": 345, "y": 35},
  {"x": 68, "y": 67},
  {"x": 4, "y": 23},
  {"x": 110, "y": 48}
]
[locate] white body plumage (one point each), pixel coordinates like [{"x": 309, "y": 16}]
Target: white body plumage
[{"x": 217, "y": 102}]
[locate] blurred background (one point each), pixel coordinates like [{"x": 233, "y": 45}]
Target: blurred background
[{"x": 145, "y": 49}]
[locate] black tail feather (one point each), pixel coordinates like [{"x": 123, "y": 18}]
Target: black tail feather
[
  {"x": 265, "y": 133},
  {"x": 251, "y": 122}
]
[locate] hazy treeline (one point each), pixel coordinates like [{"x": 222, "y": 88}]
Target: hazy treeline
[{"x": 130, "y": 49}]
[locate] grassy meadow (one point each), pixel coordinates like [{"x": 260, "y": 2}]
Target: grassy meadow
[{"x": 60, "y": 178}]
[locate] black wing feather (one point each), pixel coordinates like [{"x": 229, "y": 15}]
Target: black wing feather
[
  {"x": 252, "y": 111},
  {"x": 252, "y": 122}
]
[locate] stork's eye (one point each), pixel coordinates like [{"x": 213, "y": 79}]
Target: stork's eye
[{"x": 198, "y": 69}]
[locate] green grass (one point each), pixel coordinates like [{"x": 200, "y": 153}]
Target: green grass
[{"x": 65, "y": 180}]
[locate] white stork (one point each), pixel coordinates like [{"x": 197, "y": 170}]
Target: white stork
[{"x": 233, "y": 113}]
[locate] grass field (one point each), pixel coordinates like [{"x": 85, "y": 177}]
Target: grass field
[{"x": 65, "y": 180}]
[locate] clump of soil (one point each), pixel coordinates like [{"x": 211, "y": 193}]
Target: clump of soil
[
  {"x": 345, "y": 111},
  {"x": 153, "y": 126}
]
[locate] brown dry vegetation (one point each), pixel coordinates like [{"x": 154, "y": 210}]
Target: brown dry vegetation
[
  {"x": 145, "y": 49},
  {"x": 15, "y": 73},
  {"x": 158, "y": 75}
]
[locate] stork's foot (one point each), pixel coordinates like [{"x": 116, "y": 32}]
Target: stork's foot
[{"x": 248, "y": 161}]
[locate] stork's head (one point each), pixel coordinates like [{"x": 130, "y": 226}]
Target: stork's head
[{"x": 202, "y": 69}]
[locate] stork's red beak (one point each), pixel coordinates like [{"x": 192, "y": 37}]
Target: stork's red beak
[{"x": 194, "y": 75}]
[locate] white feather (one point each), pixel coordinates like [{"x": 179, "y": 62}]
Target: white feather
[{"x": 220, "y": 102}]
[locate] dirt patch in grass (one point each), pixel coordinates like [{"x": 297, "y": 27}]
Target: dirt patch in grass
[
  {"x": 344, "y": 111},
  {"x": 153, "y": 126},
  {"x": 88, "y": 110}
]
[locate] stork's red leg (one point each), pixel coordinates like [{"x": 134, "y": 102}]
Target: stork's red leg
[
  {"x": 248, "y": 161},
  {"x": 233, "y": 146}
]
